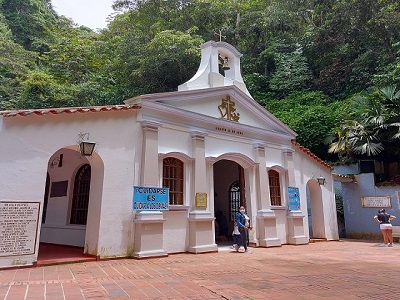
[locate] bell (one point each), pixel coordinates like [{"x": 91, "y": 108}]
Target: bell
[{"x": 225, "y": 65}]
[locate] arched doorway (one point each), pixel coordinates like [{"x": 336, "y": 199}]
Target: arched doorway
[
  {"x": 315, "y": 210},
  {"x": 229, "y": 195},
  {"x": 66, "y": 207}
]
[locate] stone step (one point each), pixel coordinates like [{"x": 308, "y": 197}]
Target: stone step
[{"x": 315, "y": 240}]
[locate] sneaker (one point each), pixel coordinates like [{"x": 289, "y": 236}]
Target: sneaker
[
  {"x": 383, "y": 245},
  {"x": 390, "y": 245}
]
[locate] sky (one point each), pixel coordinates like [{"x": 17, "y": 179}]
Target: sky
[{"x": 91, "y": 13}]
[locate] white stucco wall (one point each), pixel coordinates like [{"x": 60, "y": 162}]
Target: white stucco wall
[
  {"x": 359, "y": 220},
  {"x": 29, "y": 142},
  {"x": 308, "y": 169}
]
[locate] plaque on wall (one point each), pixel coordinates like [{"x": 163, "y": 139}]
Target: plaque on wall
[
  {"x": 59, "y": 189},
  {"x": 18, "y": 227},
  {"x": 201, "y": 200},
  {"x": 376, "y": 202}
]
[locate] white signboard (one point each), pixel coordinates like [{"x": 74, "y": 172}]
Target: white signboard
[
  {"x": 376, "y": 202},
  {"x": 18, "y": 227}
]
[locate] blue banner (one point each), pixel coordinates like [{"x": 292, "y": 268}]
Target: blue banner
[
  {"x": 294, "y": 198},
  {"x": 150, "y": 198}
]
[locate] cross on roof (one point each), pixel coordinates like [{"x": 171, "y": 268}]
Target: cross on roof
[{"x": 220, "y": 35}]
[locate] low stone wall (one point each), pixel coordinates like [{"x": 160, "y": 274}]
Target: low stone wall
[{"x": 363, "y": 236}]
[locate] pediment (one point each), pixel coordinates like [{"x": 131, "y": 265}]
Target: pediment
[{"x": 223, "y": 103}]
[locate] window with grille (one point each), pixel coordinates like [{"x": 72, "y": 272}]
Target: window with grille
[
  {"x": 234, "y": 200},
  {"x": 274, "y": 188},
  {"x": 173, "y": 179},
  {"x": 80, "y": 199}
]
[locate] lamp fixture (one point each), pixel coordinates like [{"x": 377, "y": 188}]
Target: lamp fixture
[
  {"x": 321, "y": 180},
  {"x": 86, "y": 147}
]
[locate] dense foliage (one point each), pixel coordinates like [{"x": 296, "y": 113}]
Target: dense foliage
[{"x": 303, "y": 60}]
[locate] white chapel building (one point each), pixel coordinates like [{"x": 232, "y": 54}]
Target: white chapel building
[{"x": 210, "y": 143}]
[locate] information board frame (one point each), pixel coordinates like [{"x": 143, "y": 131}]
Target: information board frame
[
  {"x": 19, "y": 221},
  {"x": 147, "y": 198}
]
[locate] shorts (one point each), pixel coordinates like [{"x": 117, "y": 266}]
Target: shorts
[{"x": 385, "y": 226}]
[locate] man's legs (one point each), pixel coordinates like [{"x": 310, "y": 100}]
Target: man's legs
[{"x": 244, "y": 238}]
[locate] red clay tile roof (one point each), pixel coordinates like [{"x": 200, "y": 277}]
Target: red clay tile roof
[
  {"x": 312, "y": 155},
  {"x": 344, "y": 177},
  {"x": 69, "y": 110}
]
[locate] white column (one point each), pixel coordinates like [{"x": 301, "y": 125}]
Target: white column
[
  {"x": 266, "y": 219},
  {"x": 199, "y": 167},
  {"x": 201, "y": 220},
  {"x": 295, "y": 219},
  {"x": 149, "y": 170},
  {"x": 149, "y": 225}
]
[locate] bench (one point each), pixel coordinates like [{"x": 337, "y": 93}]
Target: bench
[{"x": 396, "y": 231}]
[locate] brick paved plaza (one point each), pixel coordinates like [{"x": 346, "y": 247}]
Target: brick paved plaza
[{"x": 324, "y": 270}]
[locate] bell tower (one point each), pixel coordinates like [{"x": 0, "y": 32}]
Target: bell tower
[{"x": 219, "y": 66}]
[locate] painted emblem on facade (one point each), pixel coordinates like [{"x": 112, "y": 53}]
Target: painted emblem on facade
[{"x": 228, "y": 110}]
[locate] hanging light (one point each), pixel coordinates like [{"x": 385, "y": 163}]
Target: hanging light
[
  {"x": 321, "y": 180},
  {"x": 86, "y": 147}
]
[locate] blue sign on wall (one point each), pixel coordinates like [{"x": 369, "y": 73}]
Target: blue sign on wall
[
  {"x": 294, "y": 198},
  {"x": 150, "y": 198}
]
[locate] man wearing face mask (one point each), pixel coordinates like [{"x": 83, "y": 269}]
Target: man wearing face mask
[{"x": 241, "y": 222}]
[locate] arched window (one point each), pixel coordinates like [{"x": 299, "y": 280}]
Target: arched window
[
  {"x": 173, "y": 179},
  {"x": 80, "y": 199},
  {"x": 274, "y": 188}
]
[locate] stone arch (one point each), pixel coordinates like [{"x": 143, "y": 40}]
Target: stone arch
[
  {"x": 243, "y": 160},
  {"x": 62, "y": 166},
  {"x": 315, "y": 210}
]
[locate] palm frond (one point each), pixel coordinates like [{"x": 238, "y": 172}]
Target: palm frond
[{"x": 368, "y": 148}]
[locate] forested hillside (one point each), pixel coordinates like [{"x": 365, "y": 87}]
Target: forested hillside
[{"x": 327, "y": 68}]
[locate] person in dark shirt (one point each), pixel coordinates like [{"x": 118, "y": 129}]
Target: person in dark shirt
[{"x": 384, "y": 220}]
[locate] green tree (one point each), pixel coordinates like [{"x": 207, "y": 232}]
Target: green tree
[
  {"x": 312, "y": 115},
  {"x": 74, "y": 58},
  {"x": 292, "y": 73},
  {"x": 32, "y": 22},
  {"x": 373, "y": 128},
  {"x": 172, "y": 58},
  {"x": 40, "y": 90},
  {"x": 15, "y": 61},
  {"x": 349, "y": 43}
]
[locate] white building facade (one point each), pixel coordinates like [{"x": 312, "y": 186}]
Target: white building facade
[{"x": 210, "y": 143}]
